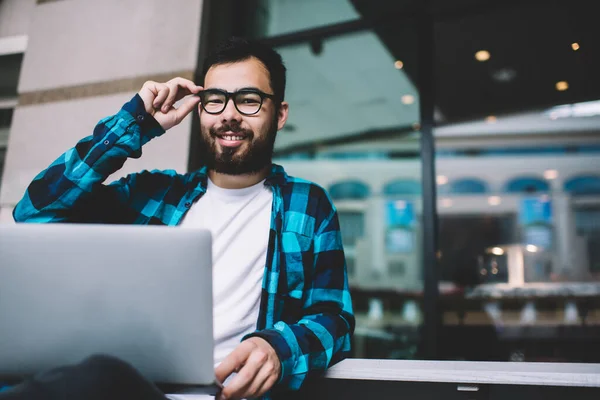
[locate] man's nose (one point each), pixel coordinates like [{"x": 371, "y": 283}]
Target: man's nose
[{"x": 230, "y": 113}]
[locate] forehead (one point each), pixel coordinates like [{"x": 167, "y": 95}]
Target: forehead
[{"x": 238, "y": 75}]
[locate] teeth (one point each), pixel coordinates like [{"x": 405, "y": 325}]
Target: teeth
[{"x": 233, "y": 137}]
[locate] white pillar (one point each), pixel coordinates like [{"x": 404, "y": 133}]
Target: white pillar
[
  {"x": 516, "y": 265},
  {"x": 377, "y": 220},
  {"x": 566, "y": 245}
]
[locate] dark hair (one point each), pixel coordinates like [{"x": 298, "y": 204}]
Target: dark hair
[{"x": 237, "y": 49}]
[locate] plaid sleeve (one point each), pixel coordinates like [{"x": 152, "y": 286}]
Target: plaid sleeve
[
  {"x": 81, "y": 170},
  {"x": 322, "y": 336}
]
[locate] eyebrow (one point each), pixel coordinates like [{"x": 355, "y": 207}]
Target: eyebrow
[{"x": 236, "y": 90}]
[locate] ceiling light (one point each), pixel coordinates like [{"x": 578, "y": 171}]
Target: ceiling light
[
  {"x": 447, "y": 203},
  {"x": 497, "y": 251},
  {"x": 399, "y": 64},
  {"x": 531, "y": 248},
  {"x": 491, "y": 119},
  {"x": 442, "y": 180},
  {"x": 494, "y": 200},
  {"x": 408, "y": 99},
  {"x": 562, "y": 86},
  {"x": 482, "y": 55},
  {"x": 575, "y": 46},
  {"x": 551, "y": 174}
]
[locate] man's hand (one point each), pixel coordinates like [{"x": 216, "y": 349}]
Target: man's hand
[
  {"x": 258, "y": 370},
  {"x": 159, "y": 99}
]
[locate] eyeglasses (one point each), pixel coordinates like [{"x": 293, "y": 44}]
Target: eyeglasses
[{"x": 246, "y": 101}]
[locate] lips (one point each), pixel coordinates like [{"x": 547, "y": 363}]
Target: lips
[
  {"x": 231, "y": 139},
  {"x": 232, "y": 136}
]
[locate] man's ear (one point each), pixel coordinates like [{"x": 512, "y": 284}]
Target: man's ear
[{"x": 282, "y": 115}]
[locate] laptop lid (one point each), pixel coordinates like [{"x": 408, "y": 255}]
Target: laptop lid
[{"x": 140, "y": 293}]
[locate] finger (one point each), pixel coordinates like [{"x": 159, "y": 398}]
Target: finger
[
  {"x": 232, "y": 362},
  {"x": 170, "y": 100},
  {"x": 266, "y": 386},
  {"x": 148, "y": 94},
  {"x": 236, "y": 392},
  {"x": 186, "y": 107},
  {"x": 263, "y": 381},
  {"x": 193, "y": 88},
  {"x": 183, "y": 91},
  {"x": 188, "y": 86},
  {"x": 239, "y": 385},
  {"x": 186, "y": 83},
  {"x": 162, "y": 91},
  {"x": 179, "y": 88}
]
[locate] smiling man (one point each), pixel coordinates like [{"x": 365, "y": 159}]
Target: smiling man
[{"x": 282, "y": 308}]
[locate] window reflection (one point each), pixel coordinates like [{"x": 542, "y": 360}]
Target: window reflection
[
  {"x": 519, "y": 198},
  {"x": 277, "y": 17},
  {"x": 516, "y": 164}
]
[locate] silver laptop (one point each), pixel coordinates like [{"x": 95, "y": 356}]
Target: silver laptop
[{"x": 143, "y": 294}]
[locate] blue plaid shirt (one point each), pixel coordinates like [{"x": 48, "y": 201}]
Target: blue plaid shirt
[{"x": 305, "y": 312}]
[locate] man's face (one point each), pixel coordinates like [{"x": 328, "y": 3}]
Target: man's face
[{"x": 233, "y": 143}]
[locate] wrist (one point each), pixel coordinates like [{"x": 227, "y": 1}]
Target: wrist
[{"x": 149, "y": 127}]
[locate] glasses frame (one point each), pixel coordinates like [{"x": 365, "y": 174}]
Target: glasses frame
[{"x": 231, "y": 95}]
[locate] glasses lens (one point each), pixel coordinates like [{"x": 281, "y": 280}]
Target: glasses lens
[
  {"x": 213, "y": 102},
  {"x": 248, "y": 102}
]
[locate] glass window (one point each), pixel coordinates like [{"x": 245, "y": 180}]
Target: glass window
[
  {"x": 340, "y": 94},
  {"x": 2, "y": 157},
  {"x": 582, "y": 185},
  {"x": 466, "y": 186},
  {"x": 353, "y": 226},
  {"x": 5, "y": 121},
  {"x": 403, "y": 187},
  {"x": 349, "y": 190},
  {"x": 10, "y": 67},
  {"x": 587, "y": 223},
  {"x": 527, "y": 185},
  {"x": 276, "y": 17},
  {"x": 518, "y": 116}
]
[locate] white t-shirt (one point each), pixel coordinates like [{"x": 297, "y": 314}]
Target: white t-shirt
[{"x": 239, "y": 220}]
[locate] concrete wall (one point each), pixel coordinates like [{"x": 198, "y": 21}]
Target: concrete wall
[
  {"x": 74, "y": 42},
  {"x": 84, "y": 59},
  {"x": 15, "y": 17}
]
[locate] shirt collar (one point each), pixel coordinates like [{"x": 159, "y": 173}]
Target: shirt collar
[{"x": 277, "y": 177}]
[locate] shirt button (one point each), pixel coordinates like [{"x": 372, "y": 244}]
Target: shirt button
[
  {"x": 188, "y": 204},
  {"x": 106, "y": 142},
  {"x": 140, "y": 118}
]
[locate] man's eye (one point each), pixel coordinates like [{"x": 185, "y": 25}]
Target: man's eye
[
  {"x": 214, "y": 101},
  {"x": 250, "y": 101}
]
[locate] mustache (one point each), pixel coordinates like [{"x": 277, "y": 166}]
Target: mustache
[{"x": 234, "y": 128}]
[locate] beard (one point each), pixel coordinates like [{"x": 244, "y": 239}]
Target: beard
[{"x": 246, "y": 159}]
